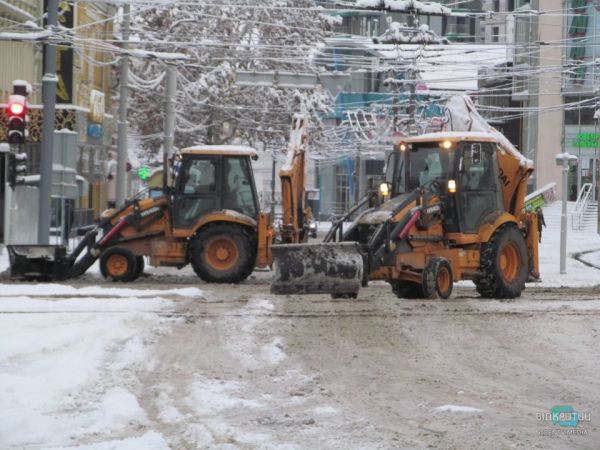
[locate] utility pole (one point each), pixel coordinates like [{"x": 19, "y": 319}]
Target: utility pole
[
  {"x": 170, "y": 93},
  {"x": 563, "y": 215},
  {"x": 412, "y": 107},
  {"x": 122, "y": 124},
  {"x": 273, "y": 171},
  {"x": 49, "y": 82},
  {"x": 169, "y": 137}
]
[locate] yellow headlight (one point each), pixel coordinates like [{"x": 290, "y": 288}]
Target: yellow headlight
[
  {"x": 447, "y": 145},
  {"x": 452, "y": 186},
  {"x": 384, "y": 189},
  {"x": 402, "y": 147}
]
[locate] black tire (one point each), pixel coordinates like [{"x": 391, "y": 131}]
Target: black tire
[
  {"x": 437, "y": 279},
  {"x": 231, "y": 239},
  {"x": 502, "y": 279},
  {"x": 139, "y": 268},
  {"x": 118, "y": 264},
  {"x": 407, "y": 289}
]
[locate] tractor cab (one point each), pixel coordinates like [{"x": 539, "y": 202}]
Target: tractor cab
[
  {"x": 460, "y": 168},
  {"x": 208, "y": 179}
]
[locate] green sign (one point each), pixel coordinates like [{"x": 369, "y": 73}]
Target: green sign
[
  {"x": 144, "y": 173},
  {"x": 586, "y": 140},
  {"x": 534, "y": 203}
]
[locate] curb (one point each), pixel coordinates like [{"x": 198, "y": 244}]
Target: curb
[{"x": 578, "y": 256}]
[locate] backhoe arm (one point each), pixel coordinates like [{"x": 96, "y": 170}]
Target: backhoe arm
[{"x": 291, "y": 176}]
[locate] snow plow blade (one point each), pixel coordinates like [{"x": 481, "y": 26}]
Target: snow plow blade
[
  {"x": 38, "y": 262},
  {"x": 327, "y": 268}
]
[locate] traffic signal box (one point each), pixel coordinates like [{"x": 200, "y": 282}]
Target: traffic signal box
[
  {"x": 17, "y": 166},
  {"x": 16, "y": 111}
]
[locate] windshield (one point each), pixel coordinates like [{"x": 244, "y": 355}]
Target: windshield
[
  {"x": 427, "y": 163},
  {"x": 394, "y": 173}
]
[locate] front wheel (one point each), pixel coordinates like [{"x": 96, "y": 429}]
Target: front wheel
[
  {"x": 504, "y": 264},
  {"x": 223, "y": 253},
  {"x": 437, "y": 279},
  {"x": 118, "y": 264}
]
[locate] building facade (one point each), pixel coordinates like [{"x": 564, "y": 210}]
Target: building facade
[{"x": 83, "y": 100}]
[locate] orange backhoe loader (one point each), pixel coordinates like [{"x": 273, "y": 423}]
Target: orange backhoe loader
[
  {"x": 452, "y": 208},
  {"x": 208, "y": 216}
]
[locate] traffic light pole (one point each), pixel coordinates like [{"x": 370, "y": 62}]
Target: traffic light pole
[
  {"x": 122, "y": 124},
  {"x": 49, "y": 82}
]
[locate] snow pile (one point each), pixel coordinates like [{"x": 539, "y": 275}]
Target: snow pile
[
  {"x": 54, "y": 384},
  {"x": 464, "y": 117},
  {"x": 63, "y": 290}
]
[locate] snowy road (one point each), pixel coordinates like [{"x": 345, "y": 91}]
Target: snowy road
[{"x": 234, "y": 367}]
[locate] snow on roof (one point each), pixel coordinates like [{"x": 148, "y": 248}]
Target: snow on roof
[
  {"x": 443, "y": 67},
  {"x": 451, "y": 135},
  {"x": 241, "y": 150},
  {"x": 398, "y": 33},
  {"x": 463, "y": 115},
  {"x": 406, "y": 5}
]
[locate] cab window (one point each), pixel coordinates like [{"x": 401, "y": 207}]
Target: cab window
[
  {"x": 238, "y": 192},
  {"x": 428, "y": 163},
  {"x": 395, "y": 171},
  {"x": 200, "y": 177}
]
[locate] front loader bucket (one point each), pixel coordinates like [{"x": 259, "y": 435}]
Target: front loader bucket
[
  {"x": 38, "y": 262},
  {"x": 326, "y": 268}
]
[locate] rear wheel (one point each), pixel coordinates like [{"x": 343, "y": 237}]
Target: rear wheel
[
  {"x": 118, "y": 264},
  {"x": 437, "y": 279},
  {"x": 223, "y": 253},
  {"x": 504, "y": 264}
]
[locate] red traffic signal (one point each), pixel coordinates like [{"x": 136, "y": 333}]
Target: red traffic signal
[
  {"x": 16, "y": 109},
  {"x": 16, "y": 112}
]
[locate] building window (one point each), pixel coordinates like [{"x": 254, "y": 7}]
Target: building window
[
  {"x": 495, "y": 34},
  {"x": 511, "y": 5},
  {"x": 496, "y": 5},
  {"x": 579, "y": 115},
  {"x": 342, "y": 189}
]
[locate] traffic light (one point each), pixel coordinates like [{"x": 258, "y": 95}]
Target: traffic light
[
  {"x": 144, "y": 173},
  {"x": 17, "y": 166},
  {"x": 16, "y": 112}
]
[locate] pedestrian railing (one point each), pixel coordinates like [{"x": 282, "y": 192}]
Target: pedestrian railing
[{"x": 581, "y": 205}]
